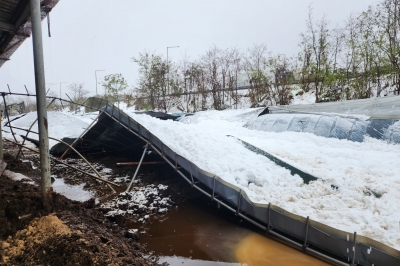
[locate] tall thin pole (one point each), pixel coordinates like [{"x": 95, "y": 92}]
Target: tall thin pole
[
  {"x": 168, "y": 67},
  {"x": 60, "y": 87},
  {"x": 237, "y": 100},
  {"x": 95, "y": 74},
  {"x": 1, "y": 135},
  {"x": 45, "y": 181}
]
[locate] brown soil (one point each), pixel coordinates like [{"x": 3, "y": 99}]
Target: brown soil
[{"x": 72, "y": 233}]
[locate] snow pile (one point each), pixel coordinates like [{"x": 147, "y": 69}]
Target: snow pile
[
  {"x": 141, "y": 200},
  {"x": 17, "y": 176},
  {"x": 60, "y": 125},
  {"x": 301, "y": 97},
  {"x": 352, "y": 166}
]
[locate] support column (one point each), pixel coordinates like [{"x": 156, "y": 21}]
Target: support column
[
  {"x": 2, "y": 162},
  {"x": 45, "y": 182},
  {"x": 1, "y": 135}
]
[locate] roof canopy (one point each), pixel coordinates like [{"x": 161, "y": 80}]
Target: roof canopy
[{"x": 15, "y": 25}]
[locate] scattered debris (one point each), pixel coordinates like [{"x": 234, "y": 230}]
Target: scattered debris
[{"x": 138, "y": 203}]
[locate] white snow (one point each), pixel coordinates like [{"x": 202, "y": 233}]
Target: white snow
[
  {"x": 141, "y": 199},
  {"x": 60, "y": 125},
  {"x": 17, "y": 176},
  {"x": 29, "y": 161},
  {"x": 304, "y": 98},
  {"x": 73, "y": 192},
  {"x": 354, "y": 167},
  {"x": 106, "y": 171},
  {"x": 162, "y": 187}
]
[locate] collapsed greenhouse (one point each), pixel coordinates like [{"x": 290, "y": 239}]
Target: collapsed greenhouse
[{"x": 352, "y": 122}]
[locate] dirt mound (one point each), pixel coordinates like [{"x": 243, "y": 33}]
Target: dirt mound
[
  {"x": 48, "y": 241},
  {"x": 19, "y": 204},
  {"x": 74, "y": 233},
  {"x": 37, "y": 232},
  {"x": 84, "y": 237}
]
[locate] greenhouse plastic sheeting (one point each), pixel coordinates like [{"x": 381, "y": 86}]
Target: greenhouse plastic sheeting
[
  {"x": 330, "y": 240},
  {"x": 353, "y": 129},
  {"x": 386, "y": 108}
]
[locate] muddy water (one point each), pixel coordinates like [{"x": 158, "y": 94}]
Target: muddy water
[
  {"x": 256, "y": 249},
  {"x": 202, "y": 233}
]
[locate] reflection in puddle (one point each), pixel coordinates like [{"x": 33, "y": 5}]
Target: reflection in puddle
[
  {"x": 256, "y": 249},
  {"x": 198, "y": 233},
  {"x": 189, "y": 262}
]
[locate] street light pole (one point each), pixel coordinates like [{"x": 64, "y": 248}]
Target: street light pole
[
  {"x": 168, "y": 66},
  {"x": 60, "y": 87},
  {"x": 95, "y": 74}
]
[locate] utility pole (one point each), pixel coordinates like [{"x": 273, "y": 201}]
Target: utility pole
[
  {"x": 60, "y": 87},
  {"x": 1, "y": 136},
  {"x": 45, "y": 181},
  {"x": 168, "y": 67},
  {"x": 2, "y": 162},
  {"x": 95, "y": 74},
  {"x": 237, "y": 99}
]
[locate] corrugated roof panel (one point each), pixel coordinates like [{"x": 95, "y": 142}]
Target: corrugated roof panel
[{"x": 7, "y": 9}]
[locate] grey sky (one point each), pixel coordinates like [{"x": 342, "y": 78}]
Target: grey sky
[{"x": 89, "y": 35}]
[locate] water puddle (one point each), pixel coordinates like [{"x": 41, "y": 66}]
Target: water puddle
[
  {"x": 198, "y": 233},
  {"x": 190, "y": 262},
  {"x": 256, "y": 249}
]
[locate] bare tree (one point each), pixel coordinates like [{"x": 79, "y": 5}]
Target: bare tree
[
  {"x": 316, "y": 43},
  {"x": 387, "y": 19},
  {"x": 211, "y": 64},
  {"x": 78, "y": 94},
  {"x": 235, "y": 68},
  {"x": 282, "y": 69},
  {"x": 148, "y": 88},
  {"x": 256, "y": 68}
]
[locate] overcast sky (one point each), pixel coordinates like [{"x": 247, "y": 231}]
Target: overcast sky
[{"x": 89, "y": 35}]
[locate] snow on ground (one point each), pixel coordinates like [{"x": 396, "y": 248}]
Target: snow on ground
[
  {"x": 141, "y": 200},
  {"x": 301, "y": 97},
  {"x": 61, "y": 125},
  {"x": 17, "y": 176},
  {"x": 73, "y": 192},
  {"x": 353, "y": 167}
]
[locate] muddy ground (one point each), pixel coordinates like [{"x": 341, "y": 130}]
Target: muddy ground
[{"x": 79, "y": 233}]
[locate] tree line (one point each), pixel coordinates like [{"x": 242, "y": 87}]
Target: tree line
[{"x": 360, "y": 59}]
